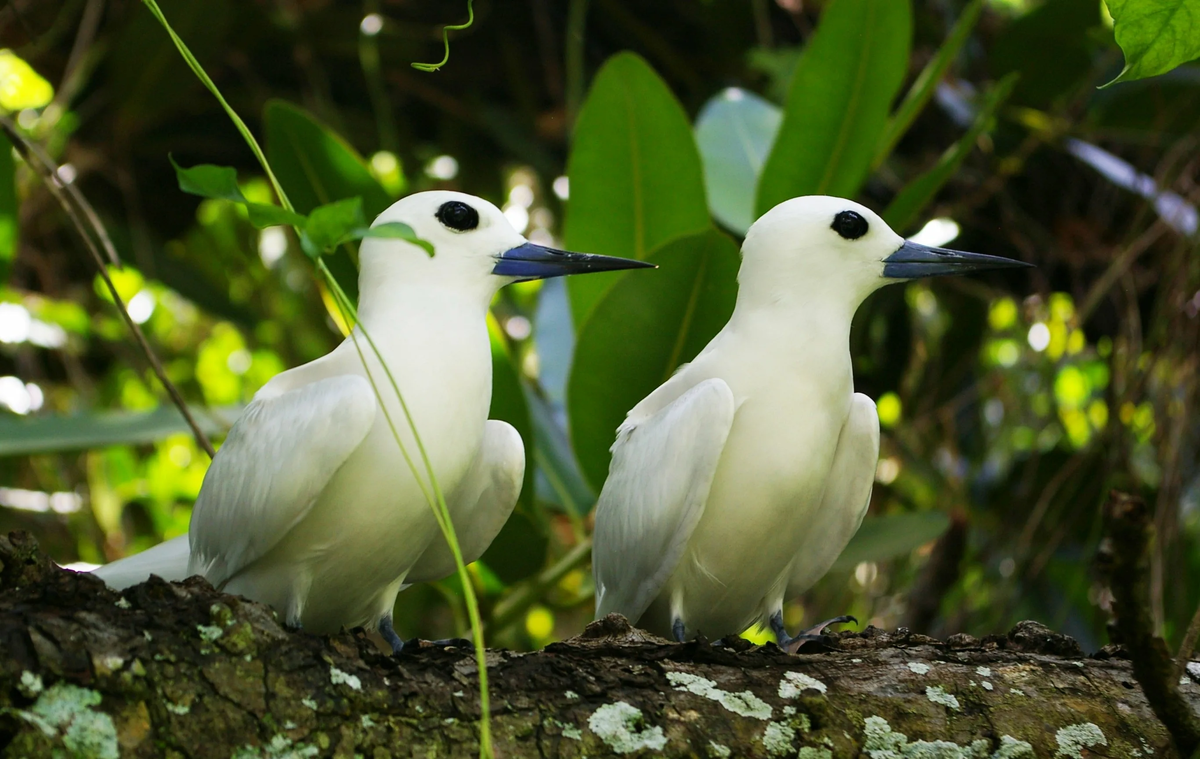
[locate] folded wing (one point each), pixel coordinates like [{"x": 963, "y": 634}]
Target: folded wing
[{"x": 661, "y": 472}]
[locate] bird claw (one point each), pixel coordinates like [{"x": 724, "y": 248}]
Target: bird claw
[
  {"x": 815, "y": 634},
  {"x": 440, "y": 643}
]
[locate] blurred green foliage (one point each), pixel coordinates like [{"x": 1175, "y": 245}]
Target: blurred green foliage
[{"x": 1010, "y": 404}]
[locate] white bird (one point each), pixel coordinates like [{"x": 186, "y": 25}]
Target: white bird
[
  {"x": 739, "y": 480},
  {"x": 309, "y": 505}
]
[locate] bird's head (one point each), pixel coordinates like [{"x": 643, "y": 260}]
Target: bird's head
[
  {"x": 821, "y": 246},
  {"x": 474, "y": 245}
]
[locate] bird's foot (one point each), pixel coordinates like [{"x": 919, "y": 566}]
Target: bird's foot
[
  {"x": 814, "y": 634},
  {"x": 389, "y": 634},
  {"x": 677, "y": 631}
]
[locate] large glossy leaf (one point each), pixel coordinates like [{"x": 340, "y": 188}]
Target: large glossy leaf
[
  {"x": 557, "y": 468},
  {"x": 317, "y": 167},
  {"x": 640, "y": 332},
  {"x": 923, "y": 88},
  {"x": 887, "y": 537},
  {"x": 735, "y": 131},
  {"x": 636, "y": 180},
  {"x": 24, "y": 436},
  {"x": 908, "y": 203},
  {"x": 1155, "y": 35},
  {"x": 838, "y": 103},
  {"x": 8, "y": 208},
  {"x": 508, "y": 400}
]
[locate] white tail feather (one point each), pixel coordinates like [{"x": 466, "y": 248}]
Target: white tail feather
[{"x": 168, "y": 560}]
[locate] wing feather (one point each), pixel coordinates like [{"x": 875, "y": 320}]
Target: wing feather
[
  {"x": 274, "y": 464},
  {"x": 661, "y": 472}
]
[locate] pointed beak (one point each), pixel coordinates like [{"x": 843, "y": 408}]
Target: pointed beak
[
  {"x": 914, "y": 260},
  {"x": 530, "y": 261}
]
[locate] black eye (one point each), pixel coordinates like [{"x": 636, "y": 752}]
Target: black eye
[
  {"x": 458, "y": 216},
  {"x": 849, "y": 225}
]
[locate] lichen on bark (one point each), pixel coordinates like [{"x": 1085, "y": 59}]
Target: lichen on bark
[{"x": 180, "y": 670}]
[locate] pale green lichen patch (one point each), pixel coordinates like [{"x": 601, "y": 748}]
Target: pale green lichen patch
[
  {"x": 572, "y": 732},
  {"x": 366, "y": 721},
  {"x": 938, "y": 695},
  {"x": 881, "y": 742},
  {"x": 778, "y": 739},
  {"x": 983, "y": 671},
  {"x": 795, "y": 683},
  {"x": 1073, "y": 739},
  {"x": 209, "y": 633},
  {"x": 309, "y": 703},
  {"x": 1017, "y": 692},
  {"x": 570, "y": 695},
  {"x": 1193, "y": 669},
  {"x": 717, "y": 751},
  {"x": 986, "y": 685},
  {"x": 280, "y": 747},
  {"x": 31, "y": 684},
  {"x": 175, "y": 708},
  {"x": 809, "y": 752},
  {"x": 745, "y": 704},
  {"x": 918, "y": 668},
  {"x": 1011, "y": 748},
  {"x": 619, "y": 725},
  {"x": 338, "y": 677},
  {"x": 122, "y": 603},
  {"x": 66, "y": 711}
]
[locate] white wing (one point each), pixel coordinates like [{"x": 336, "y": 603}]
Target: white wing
[
  {"x": 481, "y": 503},
  {"x": 168, "y": 560},
  {"x": 847, "y": 495},
  {"x": 661, "y": 472},
  {"x": 274, "y": 464}
]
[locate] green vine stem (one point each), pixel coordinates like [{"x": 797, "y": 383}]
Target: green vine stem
[{"x": 446, "y": 40}]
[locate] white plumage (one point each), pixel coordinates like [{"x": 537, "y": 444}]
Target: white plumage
[
  {"x": 740, "y": 480},
  {"x": 309, "y": 505}
]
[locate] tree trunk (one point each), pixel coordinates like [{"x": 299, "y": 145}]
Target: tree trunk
[{"x": 180, "y": 670}]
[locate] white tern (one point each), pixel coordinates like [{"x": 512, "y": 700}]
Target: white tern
[
  {"x": 739, "y": 480},
  {"x": 309, "y": 505}
]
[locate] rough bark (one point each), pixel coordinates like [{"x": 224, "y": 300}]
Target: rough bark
[{"x": 180, "y": 670}]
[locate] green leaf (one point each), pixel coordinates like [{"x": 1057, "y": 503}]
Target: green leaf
[
  {"x": 330, "y": 224},
  {"x": 53, "y": 433},
  {"x": 556, "y": 460},
  {"x": 636, "y": 180},
  {"x": 8, "y": 208},
  {"x": 917, "y": 194},
  {"x": 220, "y": 183},
  {"x": 735, "y": 131},
  {"x": 263, "y": 215},
  {"x": 209, "y": 181},
  {"x": 889, "y": 536},
  {"x": 392, "y": 230},
  {"x": 316, "y": 167},
  {"x": 640, "y": 332},
  {"x": 838, "y": 104},
  {"x": 922, "y": 89},
  {"x": 1155, "y": 35}
]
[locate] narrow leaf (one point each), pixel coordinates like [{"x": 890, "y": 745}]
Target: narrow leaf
[
  {"x": 209, "y": 181},
  {"x": 1155, "y": 35},
  {"x": 392, "y": 230},
  {"x": 838, "y": 103},
  {"x": 329, "y": 224},
  {"x": 636, "y": 180},
  {"x": 922, "y": 89},
  {"x": 735, "y": 131},
  {"x": 263, "y": 215},
  {"x": 886, "y": 537},
  {"x": 910, "y": 201},
  {"x": 51, "y": 433},
  {"x": 640, "y": 332}
]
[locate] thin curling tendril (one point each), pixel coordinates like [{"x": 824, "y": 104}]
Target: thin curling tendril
[{"x": 446, "y": 40}]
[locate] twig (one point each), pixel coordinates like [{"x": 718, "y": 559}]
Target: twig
[
  {"x": 54, "y": 182},
  {"x": 1125, "y": 558}
]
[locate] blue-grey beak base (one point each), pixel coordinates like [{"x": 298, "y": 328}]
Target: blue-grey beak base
[
  {"x": 531, "y": 261},
  {"x": 913, "y": 260}
]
